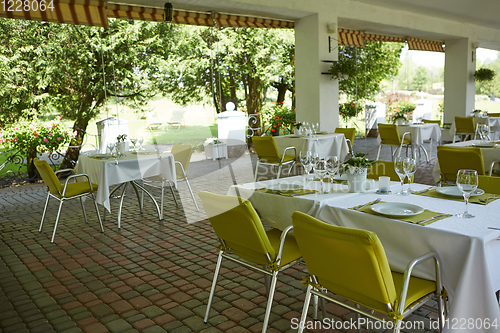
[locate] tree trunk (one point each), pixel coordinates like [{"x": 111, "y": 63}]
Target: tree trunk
[
  {"x": 80, "y": 126},
  {"x": 30, "y": 165},
  {"x": 254, "y": 97}
]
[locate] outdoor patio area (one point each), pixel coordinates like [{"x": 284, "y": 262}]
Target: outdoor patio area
[{"x": 150, "y": 276}]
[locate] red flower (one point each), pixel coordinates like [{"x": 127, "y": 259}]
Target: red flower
[
  {"x": 293, "y": 121},
  {"x": 274, "y": 126},
  {"x": 273, "y": 130}
]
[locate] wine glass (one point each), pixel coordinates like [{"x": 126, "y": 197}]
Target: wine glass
[
  {"x": 467, "y": 183},
  {"x": 310, "y": 162},
  {"x": 133, "y": 141},
  {"x": 332, "y": 166},
  {"x": 410, "y": 167},
  {"x": 304, "y": 162},
  {"x": 399, "y": 168},
  {"x": 140, "y": 140},
  {"x": 111, "y": 146},
  {"x": 320, "y": 168}
]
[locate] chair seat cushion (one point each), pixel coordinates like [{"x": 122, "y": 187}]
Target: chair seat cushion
[
  {"x": 417, "y": 289},
  {"x": 78, "y": 188},
  {"x": 291, "y": 250},
  {"x": 274, "y": 160}
]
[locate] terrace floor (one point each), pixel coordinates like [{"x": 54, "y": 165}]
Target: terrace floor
[{"x": 150, "y": 276}]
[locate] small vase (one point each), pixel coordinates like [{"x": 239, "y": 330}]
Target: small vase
[
  {"x": 120, "y": 146},
  {"x": 400, "y": 121},
  {"x": 357, "y": 183}
]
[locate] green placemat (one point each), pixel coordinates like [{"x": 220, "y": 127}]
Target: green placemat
[
  {"x": 482, "y": 199},
  {"x": 416, "y": 219},
  {"x": 288, "y": 193},
  {"x": 101, "y": 157}
]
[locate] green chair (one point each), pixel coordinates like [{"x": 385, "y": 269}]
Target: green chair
[
  {"x": 352, "y": 264},
  {"x": 63, "y": 193},
  {"x": 267, "y": 154},
  {"x": 349, "y": 134},
  {"x": 382, "y": 168},
  {"x": 429, "y": 121},
  {"x": 465, "y": 127},
  {"x": 243, "y": 240},
  {"x": 389, "y": 135},
  {"x": 452, "y": 159},
  {"x": 489, "y": 184}
]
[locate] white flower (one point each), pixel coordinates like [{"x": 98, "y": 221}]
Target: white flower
[{"x": 211, "y": 141}]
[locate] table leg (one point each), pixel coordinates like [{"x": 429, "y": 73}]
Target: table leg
[
  {"x": 138, "y": 196},
  {"x": 121, "y": 204},
  {"x": 153, "y": 199}
]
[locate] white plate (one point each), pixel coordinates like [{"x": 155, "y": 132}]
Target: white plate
[
  {"x": 484, "y": 145},
  {"x": 341, "y": 177},
  {"x": 453, "y": 191},
  {"x": 284, "y": 187},
  {"x": 396, "y": 209}
]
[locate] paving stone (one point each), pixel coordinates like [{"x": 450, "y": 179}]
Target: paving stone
[{"x": 118, "y": 326}]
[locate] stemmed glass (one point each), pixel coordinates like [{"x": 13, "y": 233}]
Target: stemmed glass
[
  {"x": 111, "y": 146},
  {"x": 410, "y": 167},
  {"x": 140, "y": 140},
  {"x": 305, "y": 160},
  {"x": 133, "y": 141},
  {"x": 467, "y": 183},
  {"x": 484, "y": 131},
  {"x": 321, "y": 170},
  {"x": 332, "y": 166},
  {"x": 400, "y": 170}
]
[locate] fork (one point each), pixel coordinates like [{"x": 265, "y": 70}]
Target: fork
[
  {"x": 489, "y": 198},
  {"x": 432, "y": 218},
  {"x": 368, "y": 204}
]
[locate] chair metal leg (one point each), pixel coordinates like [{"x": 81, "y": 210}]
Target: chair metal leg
[
  {"x": 57, "y": 221},
  {"x": 173, "y": 194},
  {"x": 161, "y": 201},
  {"x": 192, "y": 195},
  {"x": 307, "y": 300},
  {"x": 315, "y": 307},
  {"x": 323, "y": 307},
  {"x": 83, "y": 209},
  {"x": 97, "y": 211},
  {"x": 121, "y": 205},
  {"x": 279, "y": 172},
  {"x": 214, "y": 285},
  {"x": 44, "y": 211},
  {"x": 378, "y": 154},
  {"x": 256, "y": 171},
  {"x": 270, "y": 301}
]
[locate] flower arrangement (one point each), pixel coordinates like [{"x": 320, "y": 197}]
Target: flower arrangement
[
  {"x": 349, "y": 110},
  {"x": 121, "y": 138},
  {"x": 278, "y": 116},
  {"x": 31, "y": 137},
  {"x": 212, "y": 141},
  {"x": 357, "y": 164},
  {"x": 401, "y": 109}
]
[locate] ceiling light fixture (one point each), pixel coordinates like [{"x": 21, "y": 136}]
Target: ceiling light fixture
[{"x": 168, "y": 13}]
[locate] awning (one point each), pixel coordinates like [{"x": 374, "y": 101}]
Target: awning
[
  {"x": 348, "y": 37},
  {"x": 425, "y": 45},
  {"x": 84, "y": 12}
]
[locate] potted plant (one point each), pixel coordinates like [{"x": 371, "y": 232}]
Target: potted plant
[
  {"x": 355, "y": 169},
  {"x": 349, "y": 110},
  {"x": 400, "y": 111},
  {"x": 120, "y": 143},
  {"x": 215, "y": 149},
  {"x": 484, "y": 74},
  {"x": 278, "y": 117}
]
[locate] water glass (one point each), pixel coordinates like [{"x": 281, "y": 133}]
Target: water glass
[
  {"x": 400, "y": 170},
  {"x": 140, "y": 140},
  {"x": 410, "y": 167},
  {"x": 332, "y": 167},
  {"x": 467, "y": 183},
  {"x": 321, "y": 170},
  {"x": 133, "y": 141}
]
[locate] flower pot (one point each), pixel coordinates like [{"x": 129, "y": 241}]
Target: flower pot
[
  {"x": 120, "y": 146},
  {"x": 400, "y": 121},
  {"x": 357, "y": 182}
]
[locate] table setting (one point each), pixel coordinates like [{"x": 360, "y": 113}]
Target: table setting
[{"x": 325, "y": 144}]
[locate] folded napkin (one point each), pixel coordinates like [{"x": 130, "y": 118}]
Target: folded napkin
[
  {"x": 288, "y": 193},
  {"x": 415, "y": 219},
  {"x": 482, "y": 199}
]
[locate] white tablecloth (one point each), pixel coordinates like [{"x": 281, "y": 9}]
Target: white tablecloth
[
  {"x": 325, "y": 145},
  {"x": 105, "y": 172},
  {"x": 490, "y": 155},
  {"x": 469, "y": 251}
]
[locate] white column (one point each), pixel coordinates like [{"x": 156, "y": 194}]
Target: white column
[
  {"x": 316, "y": 93},
  {"x": 459, "y": 84}
]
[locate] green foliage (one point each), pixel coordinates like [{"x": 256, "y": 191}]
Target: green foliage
[
  {"x": 278, "y": 117},
  {"x": 484, "y": 74},
  {"x": 360, "y": 70},
  {"x": 349, "y": 110},
  {"x": 356, "y": 164},
  {"x": 400, "y": 109},
  {"x": 421, "y": 79},
  {"x": 31, "y": 137}
]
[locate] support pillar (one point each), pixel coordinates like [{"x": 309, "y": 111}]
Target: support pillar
[
  {"x": 316, "y": 94},
  {"x": 459, "y": 84}
]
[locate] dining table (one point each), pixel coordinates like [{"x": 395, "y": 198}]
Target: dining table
[
  {"x": 469, "y": 248},
  {"x": 493, "y": 125},
  {"x": 127, "y": 169},
  {"x": 490, "y": 151},
  {"x": 325, "y": 144}
]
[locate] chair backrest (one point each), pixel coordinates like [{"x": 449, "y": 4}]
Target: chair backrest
[
  {"x": 349, "y": 262},
  {"x": 236, "y": 222},
  {"x": 490, "y": 114},
  {"x": 489, "y": 184},
  {"x": 464, "y": 125},
  {"x": 266, "y": 148},
  {"x": 452, "y": 159},
  {"x": 182, "y": 154},
  {"x": 49, "y": 176},
  {"x": 349, "y": 133},
  {"x": 429, "y": 121},
  {"x": 177, "y": 116},
  {"x": 389, "y": 134},
  {"x": 382, "y": 168}
]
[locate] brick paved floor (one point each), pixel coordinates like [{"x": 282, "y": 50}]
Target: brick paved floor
[{"x": 150, "y": 276}]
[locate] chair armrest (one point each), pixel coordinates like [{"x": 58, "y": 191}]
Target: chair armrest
[
  {"x": 182, "y": 169},
  {"x": 284, "y": 153},
  {"x": 282, "y": 241},
  {"x": 65, "y": 170},
  {"x": 492, "y": 165},
  {"x": 409, "y": 269},
  {"x": 76, "y": 176},
  {"x": 403, "y": 137}
]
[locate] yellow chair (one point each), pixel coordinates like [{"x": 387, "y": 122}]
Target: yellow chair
[
  {"x": 489, "y": 184},
  {"x": 465, "y": 127},
  {"x": 243, "y": 240},
  {"x": 382, "y": 168},
  {"x": 349, "y": 134},
  {"x": 452, "y": 159},
  {"x": 63, "y": 193},
  {"x": 389, "y": 135},
  {"x": 352, "y": 263},
  {"x": 267, "y": 154},
  {"x": 490, "y": 114},
  {"x": 429, "y": 121},
  {"x": 182, "y": 156}
]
